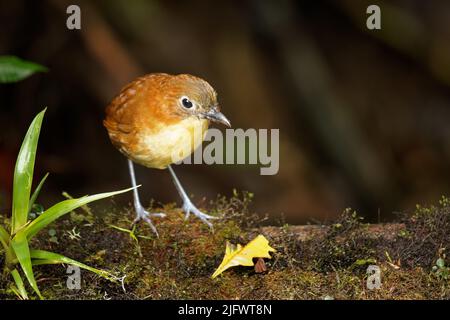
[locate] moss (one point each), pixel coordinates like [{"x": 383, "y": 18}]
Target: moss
[
  {"x": 426, "y": 232},
  {"x": 311, "y": 262}
]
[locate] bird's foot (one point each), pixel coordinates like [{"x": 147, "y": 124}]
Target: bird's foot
[
  {"x": 142, "y": 214},
  {"x": 188, "y": 208}
]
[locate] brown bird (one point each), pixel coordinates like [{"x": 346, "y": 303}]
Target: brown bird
[{"x": 159, "y": 119}]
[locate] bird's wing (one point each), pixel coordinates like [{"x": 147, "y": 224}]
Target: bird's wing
[{"x": 120, "y": 115}]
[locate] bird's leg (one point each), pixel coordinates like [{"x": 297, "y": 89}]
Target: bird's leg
[
  {"x": 141, "y": 213},
  {"x": 188, "y": 207}
]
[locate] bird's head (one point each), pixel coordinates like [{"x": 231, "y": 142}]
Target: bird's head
[{"x": 193, "y": 96}]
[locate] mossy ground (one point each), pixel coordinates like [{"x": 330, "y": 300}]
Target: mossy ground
[{"x": 311, "y": 262}]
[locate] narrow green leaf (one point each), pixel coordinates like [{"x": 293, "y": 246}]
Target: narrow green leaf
[
  {"x": 85, "y": 208},
  {"x": 5, "y": 241},
  {"x": 130, "y": 232},
  {"x": 45, "y": 257},
  {"x": 23, "y": 174},
  {"x": 22, "y": 251},
  {"x": 4, "y": 238},
  {"x": 19, "y": 283},
  {"x": 13, "y": 69},
  {"x": 36, "y": 191},
  {"x": 61, "y": 209},
  {"x": 14, "y": 289}
]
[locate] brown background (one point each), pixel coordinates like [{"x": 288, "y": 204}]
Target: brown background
[{"x": 363, "y": 115}]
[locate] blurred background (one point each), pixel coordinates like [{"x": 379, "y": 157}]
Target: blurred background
[{"x": 363, "y": 115}]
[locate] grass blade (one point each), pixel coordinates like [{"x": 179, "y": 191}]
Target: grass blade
[
  {"x": 130, "y": 232},
  {"x": 36, "y": 191},
  {"x": 61, "y": 209},
  {"x": 19, "y": 283},
  {"x": 5, "y": 242},
  {"x": 45, "y": 257},
  {"x": 23, "y": 174},
  {"x": 22, "y": 251},
  {"x": 4, "y": 237},
  {"x": 14, "y": 289},
  {"x": 13, "y": 69}
]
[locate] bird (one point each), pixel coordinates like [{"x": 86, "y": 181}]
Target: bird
[{"x": 156, "y": 120}]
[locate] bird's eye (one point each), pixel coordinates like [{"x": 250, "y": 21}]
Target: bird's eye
[{"x": 186, "y": 102}]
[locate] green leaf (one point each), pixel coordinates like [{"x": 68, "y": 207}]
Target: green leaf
[
  {"x": 20, "y": 246},
  {"x": 19, "y": 283},
  {"x": 13, "y": 69},
  {"x": 45, "y": 257},
  {"x": 61, "y": 209},
  {"x": 130, "y": 232},
  {"x": 23, "y": 174},
  {"x": 36, "y": 191},
  {"x": 14, "y": 289},
  {"x": 5, "y": 241},
  {"x": 4, "y": 238}
]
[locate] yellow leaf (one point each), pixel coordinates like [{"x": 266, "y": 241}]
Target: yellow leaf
[{"x": 243, "y": 256}]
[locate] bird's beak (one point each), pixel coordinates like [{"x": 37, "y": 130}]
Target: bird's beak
[{"x": 217, "y": 116}]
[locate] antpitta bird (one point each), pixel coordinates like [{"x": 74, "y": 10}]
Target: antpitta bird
[{"x": 159, "y": 119}]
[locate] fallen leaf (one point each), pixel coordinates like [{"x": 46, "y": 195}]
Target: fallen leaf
[{"x": 238, "y": 255}]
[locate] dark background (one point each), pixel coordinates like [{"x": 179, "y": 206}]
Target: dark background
[{"x": 363, "y": 115}]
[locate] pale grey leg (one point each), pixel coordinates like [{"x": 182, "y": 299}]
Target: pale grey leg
[
  {"x": 188, "y": 207},
  {"x": 141, "y": 213}
]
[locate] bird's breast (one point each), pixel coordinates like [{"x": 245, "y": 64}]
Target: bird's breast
[{"x": 170, "y": 143}]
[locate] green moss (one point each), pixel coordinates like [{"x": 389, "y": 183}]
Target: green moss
[{"x": 315, "y": 262}]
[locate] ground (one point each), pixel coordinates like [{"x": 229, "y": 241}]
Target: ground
[{"x": 311, "y": 261}]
